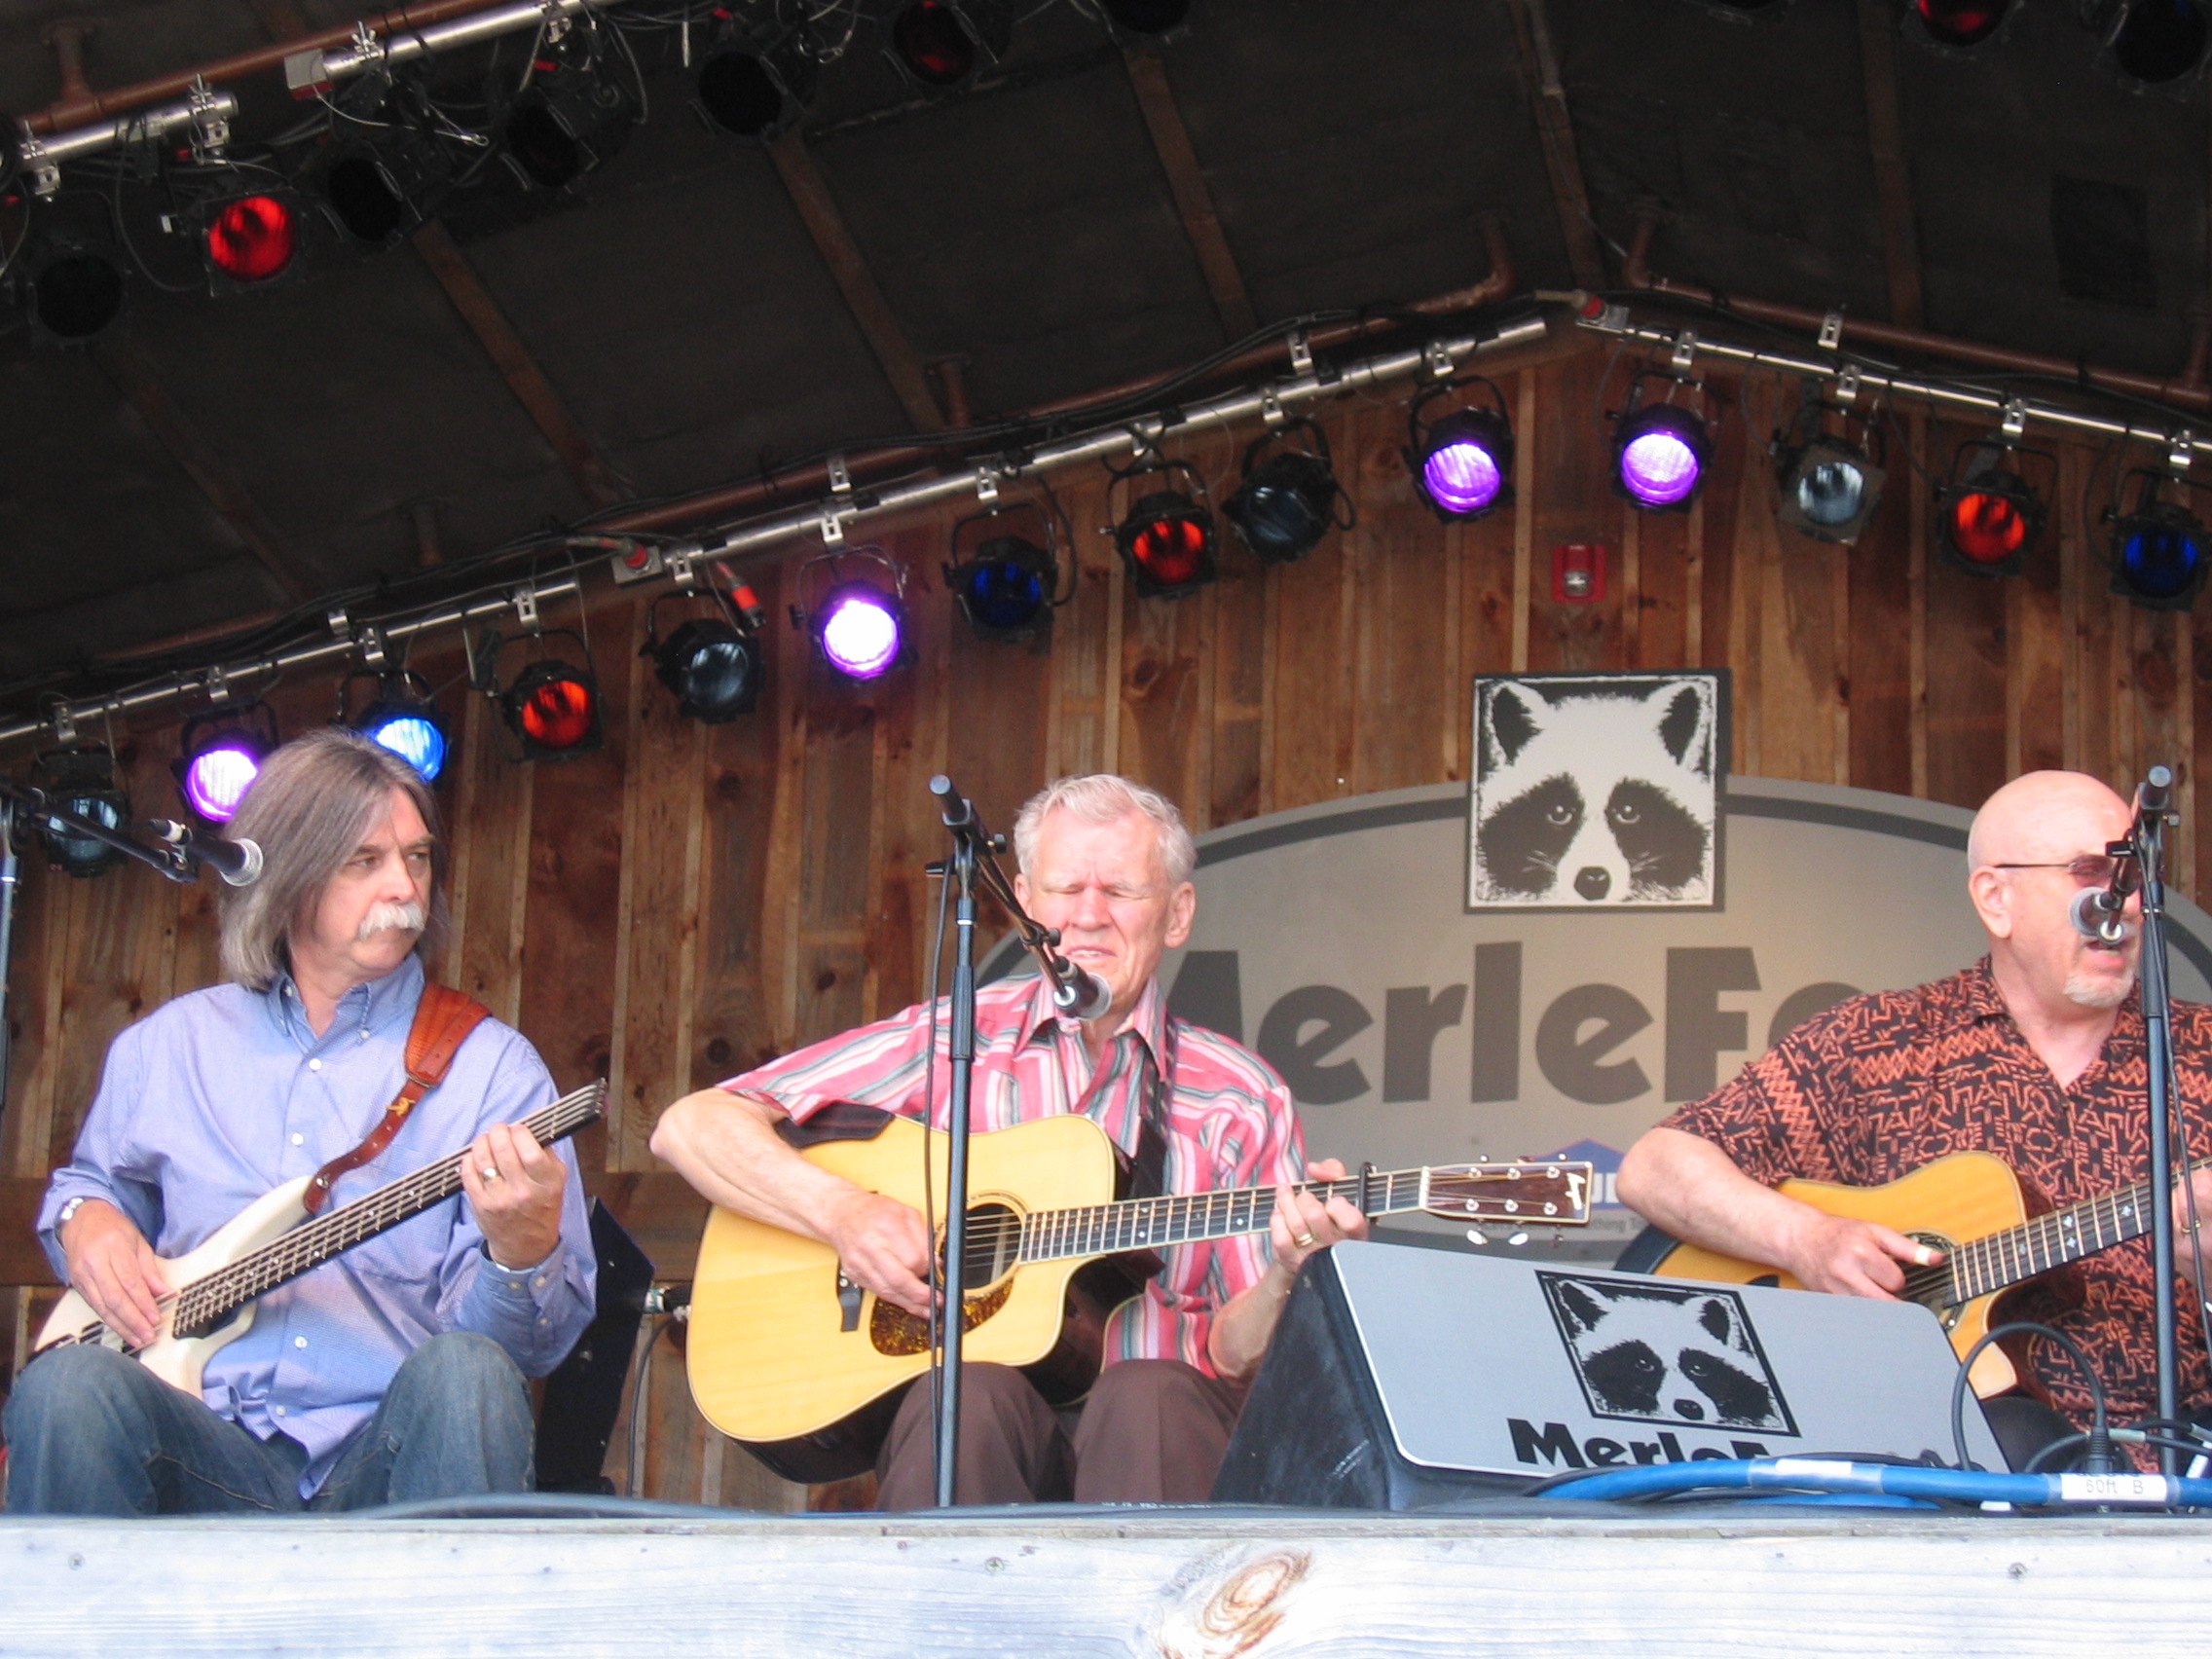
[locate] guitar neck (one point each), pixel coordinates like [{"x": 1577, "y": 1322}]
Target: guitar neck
[
  {"x": 208, "y": 1302},
  {"x": 1998, "y": 1260},
  {"x": 1152, "y": 1224}
]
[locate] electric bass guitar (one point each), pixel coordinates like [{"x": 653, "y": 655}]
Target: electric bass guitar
[
  {"x": 1968, "y": 1205},
  {"x": 212, "y": 1289},
  {"x": 790, "y": 1357}
]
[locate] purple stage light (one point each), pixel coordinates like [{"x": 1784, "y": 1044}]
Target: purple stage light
[
  {"x": 215, "y": 780},
  {"x": 859, "y": 629},
  {"x": 1463, "y": 461},
  {"x": 1659, "y": 454}
]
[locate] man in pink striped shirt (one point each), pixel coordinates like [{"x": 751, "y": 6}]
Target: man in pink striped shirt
[{"x": 1108, "y": 863}]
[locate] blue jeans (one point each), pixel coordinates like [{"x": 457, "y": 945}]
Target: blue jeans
[{"x": 90, "y": 1432}]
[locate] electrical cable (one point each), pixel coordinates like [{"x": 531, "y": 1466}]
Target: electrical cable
[
  {"x": 2100, "y": 1429},
  {"x": 1646, "y": 1481}
]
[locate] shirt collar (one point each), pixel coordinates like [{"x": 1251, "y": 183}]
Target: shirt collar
[
  {"x": 1981, "y": 1000},
  {"x": 369, "y": 1007},
  {"x": 1148, "y": 1019}
]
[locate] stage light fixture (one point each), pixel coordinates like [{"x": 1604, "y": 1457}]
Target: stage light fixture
[
  {"x": 941, "y": 45},
  {"x": 1136, "y": 21},
  {"x": 250, "y": 240},
  {"x": 1829, "y": 484},
  {"x": 1990, "y": 514},
  {"x": 1006, "y": 590},
  {"x": 2158, "y": 551},
  {"x": 81, "y": 780},
  {"x": 402, "y": 718},
  {"x": 1288, "y": 500},
  {"x": 713, "y": 667},
  {"x": 859, "y": 629},
  {"x": 753, "y": 85},
  {"x": 577, "y": 111},
  {"x": 2156, "y": 43},
  {"x": 1959, "y": 23},
  {"x": 219, "y": 753},
  {"x": 1462, "y": 461},
  {"x": 553, "y": 707},
  {"x": 1166, "y": 540},
  {"x": 1660, "y": 449},
  {"x": 75, "y": 294}
]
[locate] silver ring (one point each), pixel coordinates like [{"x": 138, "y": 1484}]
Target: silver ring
[{"x": 489, "y": 1173}]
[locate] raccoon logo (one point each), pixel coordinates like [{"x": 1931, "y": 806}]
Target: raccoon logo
[
  {"x": 1595, "y": 791},
  {"x": 1657, "y": 1354}
]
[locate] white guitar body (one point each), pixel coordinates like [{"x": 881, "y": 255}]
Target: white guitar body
[{"x": 179, "y": 1361}]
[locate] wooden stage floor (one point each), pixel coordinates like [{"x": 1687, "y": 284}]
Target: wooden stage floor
[{"x": 1184, "y": 1584}]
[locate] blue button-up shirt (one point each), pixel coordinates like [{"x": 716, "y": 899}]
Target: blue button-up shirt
[{"x": 220, "y": 1095}]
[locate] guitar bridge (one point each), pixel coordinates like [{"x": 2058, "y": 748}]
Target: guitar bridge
[{"x": 849, "y": 1303}]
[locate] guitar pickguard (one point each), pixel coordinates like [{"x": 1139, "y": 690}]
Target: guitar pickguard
[{"x": 894, "y": 1331}]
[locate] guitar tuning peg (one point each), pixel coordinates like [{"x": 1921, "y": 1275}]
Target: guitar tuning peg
[
  {"x": 1475, "y": 1236},
  {"x": 1517, "y": 1240}
]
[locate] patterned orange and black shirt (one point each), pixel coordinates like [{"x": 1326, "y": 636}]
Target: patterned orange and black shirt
[{"x": 1882, "y": 1083}]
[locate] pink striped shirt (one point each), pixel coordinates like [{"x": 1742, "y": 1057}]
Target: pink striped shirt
[{"x": 1229, "y": 1122}]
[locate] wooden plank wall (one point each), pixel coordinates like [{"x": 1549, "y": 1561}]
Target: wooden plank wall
[{"x": 692, "y": 900}]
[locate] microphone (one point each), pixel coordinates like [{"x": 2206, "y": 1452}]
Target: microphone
[
  {"x": 2096, "y": 913},
  {"x": 238, "y": 863},
  {"x": 1079, "y": 993}
]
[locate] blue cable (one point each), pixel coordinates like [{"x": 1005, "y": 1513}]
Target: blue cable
[{"x": 1891, "y": 1479}]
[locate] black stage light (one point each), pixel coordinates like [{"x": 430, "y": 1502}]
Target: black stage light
[
  {"x": 714, "y": 669},
  {"x": 1990, "y": 515},
  {"x": 1136, "y": 21},
  {"x": 578, "y": 110},
  {"x": 1659, "y": 450},
  {"x": 1958, "y": 24},
  {"x": 219, "y": 753},
  {"x": 2158, "y": 551},
  {"x": 82, "y": 779},
  {"x": 69, "y": 266},
  {"x": 1462, "y": 463},
  {"x": 1829, "y": 484},
  {"x": 755, "y": 83},
  {"x": 2159, "y": 43},
  {"x": 941, "y": 45},
  {"x": 1167, "y": 542},
  {"x": 1287, "y": 501},
  {"x": 385, "y": 172}
]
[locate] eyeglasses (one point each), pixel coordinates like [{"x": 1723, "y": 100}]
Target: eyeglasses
[{"x": 2090, "y": 870}]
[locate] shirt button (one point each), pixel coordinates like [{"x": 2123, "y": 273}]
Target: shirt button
[
  {"x": 315, "y": 1065},
  {"x": 538, "y": 1281},
  {"x": 298, "y": 1140},
  {"x": 543, "y": 1320},
  {"x": 279, "y": 1411},
  {"x": 298, "y": 1342}
]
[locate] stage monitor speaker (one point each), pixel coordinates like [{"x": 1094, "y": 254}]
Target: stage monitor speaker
[{"x": 1402, "y": 1378}]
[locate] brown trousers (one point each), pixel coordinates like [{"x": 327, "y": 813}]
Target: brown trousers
[{"x": 1153, "y": 1431}]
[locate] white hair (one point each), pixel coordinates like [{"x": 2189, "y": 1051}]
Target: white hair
[{"x": 1106, "y": 798}]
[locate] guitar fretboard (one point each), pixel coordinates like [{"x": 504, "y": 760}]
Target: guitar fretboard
[
  {"x": 207, "y": 1303},
  {"x": 1150, "y": 1224},
  {"x": 1989, "y": 1264}
]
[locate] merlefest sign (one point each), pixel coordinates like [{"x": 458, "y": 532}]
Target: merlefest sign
[{"x": 1337, "y": 941}]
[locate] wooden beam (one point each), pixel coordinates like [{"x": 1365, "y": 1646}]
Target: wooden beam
[
  {"x": 133, "y": 374},
  {"x": 1893, "y": 176},
  {"x": 1555, "y": 129},
  {"x": 523, "y": 378},
  {"x": 1187, "y": 183},
  {"x": 21, "y": 1261},
  {"x": 833, "y": 240}
]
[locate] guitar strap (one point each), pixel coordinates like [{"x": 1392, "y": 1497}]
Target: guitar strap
[
  {"x": 1144, "y": 1176},
  {"x": 443, "y": 1021}
]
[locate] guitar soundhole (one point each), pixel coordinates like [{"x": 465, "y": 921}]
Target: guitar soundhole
[{"x": 1930, "y": 1288}]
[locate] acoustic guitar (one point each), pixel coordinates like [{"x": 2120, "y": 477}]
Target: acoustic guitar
[
  {"x": 792, "y": 1358},
  {"x": 1969, "y": 1205},
  {"x": 212, "y": 1289}
]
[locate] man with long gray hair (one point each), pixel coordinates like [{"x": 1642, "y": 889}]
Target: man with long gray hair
[
  {"x": 395, "y": 1370},
  {"x": 1107, "y": 863}
]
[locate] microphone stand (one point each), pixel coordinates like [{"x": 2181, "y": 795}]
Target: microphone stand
[
  {"x": 2147, "y": 839},
  {"x": 974, "y": 863},
  {"x": 177, "y": 863}
]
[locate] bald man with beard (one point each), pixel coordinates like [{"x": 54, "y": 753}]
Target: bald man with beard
[{"x": 2034, "y": 1053}]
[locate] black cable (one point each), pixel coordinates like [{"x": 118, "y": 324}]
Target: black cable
[{"x": 2100, "y": 1429}]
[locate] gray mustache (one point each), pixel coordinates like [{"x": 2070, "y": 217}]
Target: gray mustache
[{"x": 390, "y": 918}]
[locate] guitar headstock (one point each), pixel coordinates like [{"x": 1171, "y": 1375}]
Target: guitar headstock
[{"x": 1554, "y": 1193}]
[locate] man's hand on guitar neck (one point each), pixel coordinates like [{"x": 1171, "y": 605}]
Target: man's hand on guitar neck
[{"x": 112, "y": 1267}]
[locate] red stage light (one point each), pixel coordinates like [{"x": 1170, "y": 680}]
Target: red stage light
[
  {"x": 558, "y": 714},
  {"x": 251, "y": 240},
  {"x": 554, "y": 709},
  {"x": 1170, "y": 551},
  {"x": 1961, "y": 22},
  {"x": 934, "y": 43},
  {"x": 1987, "y": 529}
]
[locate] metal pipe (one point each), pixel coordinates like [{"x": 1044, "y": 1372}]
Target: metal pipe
[
  {"x": 66, "y": 111},
  {"x": 831, "y": 518},
  {"x": 1612, "y": 319},
  {"x": 317, "y": 67},
  {"x": 1636, "y": 272},
  {"x": 51, "y": 152}
]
